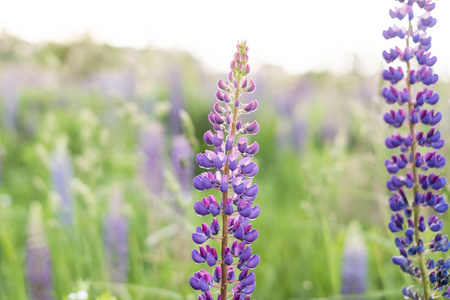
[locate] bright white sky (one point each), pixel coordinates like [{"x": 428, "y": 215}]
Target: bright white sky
[{"x": 299, "y": 35}]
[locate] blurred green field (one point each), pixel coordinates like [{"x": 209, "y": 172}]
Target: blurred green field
[{"x": 321, "y": 175}]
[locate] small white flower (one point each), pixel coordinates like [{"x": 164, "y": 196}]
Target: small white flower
[
  {"x": 82, "y": 295},
  {"x": 72, "y": 296}
]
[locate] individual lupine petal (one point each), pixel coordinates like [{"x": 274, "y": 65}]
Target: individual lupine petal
[
  {"x": 199, "y": 256},
  {"x": 239, "y": 296},
  {"x": 421, "y": 225},
  {"x": 251, "y": 106},
  {"x": 211, "y": 257},
  {"x": 256, "y": 210},
  {"x": 428, "y": 96},
  {"x": 245, "y": 209},
  {"x": 238, "y": 185},
  {"x": 395, "y": 118},
  {"x": 222, "y": 85},
  {"x": 396, "y": 203},
  {"x": 238, "y": 125},
  {"x": 205, "y": 296},
  {"x": 434, "y": 223},
  {"x": 224, "y": 184},
  {"x": 418, "y": 160},
  {"x": 228, "y": 257},
  {"x": 393, "y": 75},
  {"x": 446, "y": 294},
  {"x": 396, "y": 223},
  {"x": 226, "y": 98},
  {"x": 251, "y": 87},
  {"x": 215, "y": 228},
  {"x": 395, "y": 183},
  {"x": 391, "y": 95},
  {"x": 200, "y": 209},
  {"x": 201, "y": 234},
  {"x": 244, "y": 83},
  {"x": 413, "y": 117},
  {"x": 242, "y": 145},
  {"x": 232, "y": 161},
  {"x": 436, "y": 182},
  {"x": 425, "y": 21},
  {"x": 440, "y": 243},
  {"x": 253, "y": 149},
  {"x": 394, "y": 141},
  {"x": 251, "y": 191},
  {"x": 252, "y": 128},
  {"x": 391, "y": 55},
  {"x": 229, "y": 210},
  {"x": 406, "y": 55},
  {"x": 219, "y": 95},
  {"x": 247, "y": 278},
  {"x": 201, "y": 280},
  {"x": 408, "y": 293}
]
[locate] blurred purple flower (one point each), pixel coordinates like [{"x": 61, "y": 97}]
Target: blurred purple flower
[
  {"x": 38, "y": 261},
  {"x": 152, "y": 146},
  {"x": 61, "y": 174},
  {"x": 116, "y": 239},
  {"x": 354, "y": 265},
  {"x": 176, "y": 101},
  {"x": 182, "y": 162},
  {"x": 118, "y": 84}
]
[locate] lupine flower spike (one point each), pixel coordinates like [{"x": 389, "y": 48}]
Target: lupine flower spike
[
  {"x": 116, "y": 238},
  {"x": 230, "y": 171},
  {"x": 416, "y": 192},
  {"x": 38, "y": 259}
]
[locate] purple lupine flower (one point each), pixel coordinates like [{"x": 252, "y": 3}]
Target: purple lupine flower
[
  {"x": 10, "y": 99},
  {"x": 61, "y": 174},
  {"x": 176, "y": 101},
  {"x": 181, "y": 162},
  {"x": 38, "y": 260},
  {"x": 230, "y": 172},
  {"x": 354, "y": 265},
  {"x": 116, "y": 239},
  {"x": 152, "y": 147},
  {"x": 409, "y": 168}
]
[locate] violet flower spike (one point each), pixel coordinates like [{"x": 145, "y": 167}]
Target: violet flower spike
[
  {"x": 407, "y": 89},
  {"x": 38, "y": 258},
  {"x": 229, "y": 170}
]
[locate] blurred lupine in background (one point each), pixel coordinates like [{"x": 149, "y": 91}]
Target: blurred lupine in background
[
  {"x": 61, "y": 174},
  {"x": 233, "y": 179},
  {"x": 182, "y": 163},
  {"x": 176, "y": 102},
  {"x": 10, "y": 101},
  {"x": 354, "y": 264},
  {"x": 38, "y": 262},
  {"x": 116, "y": 238},
  {"x": 423, "y": 198},
  {"x": 152, "y": 145}
]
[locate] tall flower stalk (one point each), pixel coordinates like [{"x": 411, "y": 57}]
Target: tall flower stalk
[
  {"x": 38, "y": 260},
  {"x": 410, "y": 92},
  {"x": 116, "y": 239},
  {"x": 231, "y": 161}
]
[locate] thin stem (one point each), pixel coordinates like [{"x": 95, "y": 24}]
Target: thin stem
[
  {"x": 224, "y": 281},
  {"x": 415, "y": 173}
]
